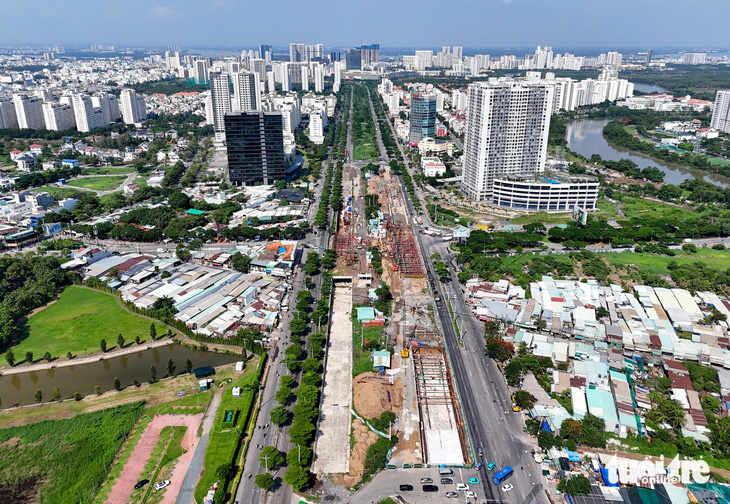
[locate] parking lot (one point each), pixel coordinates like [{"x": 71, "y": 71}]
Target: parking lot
[{"x": 387, "y": 483}]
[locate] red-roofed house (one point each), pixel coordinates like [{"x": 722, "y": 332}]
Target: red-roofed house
[
  {"x": 36, "y": 149},
  {"x": 14, "y": 154}
]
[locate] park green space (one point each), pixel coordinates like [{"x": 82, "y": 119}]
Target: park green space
[
  {"x": 59, "y": 193},
  {"x": 224, "y": 438},
  {"x": 109, "y": 170},
  {"x": 718, "y": 161},
  {"x": 78, "y": 321},
  {"x": 364, "y": 150},
  {"x": 63, "y": 461},
  {"x": 639, "y": 207},
  {"x": 654, "y": 263},
  {"x": 98, "y": 183}
]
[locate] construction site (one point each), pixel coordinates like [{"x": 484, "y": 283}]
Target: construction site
[{"x": 413, "y": 381}]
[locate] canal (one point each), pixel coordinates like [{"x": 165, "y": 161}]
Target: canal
[
  {"x": 585, "y": 136},
  {"x": 19, "y": 389}
]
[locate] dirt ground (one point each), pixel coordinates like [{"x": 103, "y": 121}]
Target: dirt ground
[
  {"x": 363, "y": 438},
  {"x": 132, "y": 472},
  {"x": 371, "y": 397}
]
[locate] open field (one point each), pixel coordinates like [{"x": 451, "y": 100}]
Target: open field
[
  {"x": 109, "y": 170},
  {"x": 718, "y": 161},
  {"x": 224, "y": 437},
  {"x": 98, "y": 183},
  {"x": 78, "y": 321},
  {"x": 58, "y": 192},
  {"x": 715, "y": 259},
  {"x": 361, "y": 361},
  {"x": 364, "y": 151},
  {"x": 62, "y": 461},
  {"x": 639, "y": 207},
  {"x": 605, "y": 209}
]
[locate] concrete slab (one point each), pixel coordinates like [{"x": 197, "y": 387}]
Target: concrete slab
[{"x": 332, "y": 448}]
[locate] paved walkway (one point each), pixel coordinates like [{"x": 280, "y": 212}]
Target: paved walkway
[
  {"x": 186, "y": 494},
  {"x": 132, "y": 472}
]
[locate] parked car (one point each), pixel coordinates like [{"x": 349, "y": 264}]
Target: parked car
[
  {"x": 162, "y": 484},
  {"x": 490, "y": 466},
  {"x": 507, "y": 488},
  {"x": 406, "y": 488},
  {"x": 451, "y": 495},
  {"x": 426, "y": 480},
  {"x": 430, "y": 488},
  {"x": 473, "y": 481},
  {"x": 461, "y": 486},
  {"x": 447, "y": 481},
  {"x": 141, "y": 483}
]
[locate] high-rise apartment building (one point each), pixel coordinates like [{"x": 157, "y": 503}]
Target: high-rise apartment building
[
  {"x": 87, "y": 116},
  {"x": 201, "y": 71},
  {"x": 134, "y": 109},
  {"x": 648, "y": 57},
  {"x": 8, "y": 118},
  {"x": 58, "y": 117},
  {"x": 265, "y": 52},
  {"x": 369, "y": 54},
  {"x": 423, "y": 117},
  {"x": 305, "y": 77},
  {"x": 109, "y": 106},
  {"x": 314, "y": 52},
  {"x": 255, "y": 144},
  {"x": 338, "y": 76},
  {"x": 318, "y": 77},
  {"x": 353, "y": 59},
  {"x": 507, "y": 127},
  {"x": 246, "y": 91},
  {"x": 220, "y": 92},
  {"x": 29, "y": 112},
  {"x": 296, "y": 52},
  {"x": 694, "y": 59},
  {"x": 721, "y": 113}
]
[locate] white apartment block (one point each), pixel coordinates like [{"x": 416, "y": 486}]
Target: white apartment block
[
  {"x": 318, "y": 75},
  {"x": 29, "y": 112},
  {"x": 221, "y": 102},
  {"x": 317, "y": 121},
  {"x": 86, "y": 116},
  {"x": 507, "y": 127},
  {"x": 246, "y": 92},
  {"x": 305, "y": 77},
  {"x": 109, "y": 106},
  {"x": 721, "y": 112},
  {"x": 134, "y": 109},
  {"x": 58, "y": 117}
]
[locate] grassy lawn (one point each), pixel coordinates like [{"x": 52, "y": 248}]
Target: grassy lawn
[
  {"x": 606, "y": 209},
  {"x": 77, "y": 322},
  {"x": 59, "y": 193},
  {"x": 638, "y": 207},
  {"x": 64, "y": 461},
  {"x": 718, "y": 161},
  {"x": 109, "y": 170},
  {"x": 223, "y": 442},
  {"x": 98, "y": 183},
  {"x": 716, "y": 259},
  {"x": 361, "y": 361},
  {"x": 141, "y": 182},
  {"x": 364, "y": 151},
  {"x": 543, "y": 217}
]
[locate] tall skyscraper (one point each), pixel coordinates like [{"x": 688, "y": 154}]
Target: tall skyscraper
[
  {"x": 507, "y": 127},
  {"x": 265, "y": 52},
  {"x": 314, "y": 52},
  {"x": 338, "y": 77},
  {"x": 134, "y": 109},
  {"x": 648, "y": 57},
  {"x": 255, "y": 144},
  {"x": 87, "y": 116},
  {"x": 246, "y": 91},
  {"x": 109, "y": 106},
  {"x": 353, "y": 59},
  {"x": 423, "y": 117},
  {"x": 296, "y": 52},
  {"x": 318, "y": 76},
  {"x": 221, "y": 102},
  {"x": 721, "y": 113},
  {"x": 305, "y": 77},
  {"x": 200, "y": 71},
  {"x": 8, "y": 118},
  {"x": 369, "y": 54},
  {"x": 29, "y": 112},
  {"x": 58, "y": 117}
]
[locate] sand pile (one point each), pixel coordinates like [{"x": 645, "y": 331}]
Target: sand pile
[{"x": 371, "y": 397}]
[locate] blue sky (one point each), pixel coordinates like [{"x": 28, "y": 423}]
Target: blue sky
[{"x": 399, "y": 23}]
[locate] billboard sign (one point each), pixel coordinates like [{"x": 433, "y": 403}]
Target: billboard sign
[
  {"x": 580, "y": 215},
  {"x": 461, "y": 233}
]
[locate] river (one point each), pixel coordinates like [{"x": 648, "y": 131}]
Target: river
[
  {"x": 19, "y": 389},
  {"x": 585, "y": 136},
  {"x": 649, "y": 88}
]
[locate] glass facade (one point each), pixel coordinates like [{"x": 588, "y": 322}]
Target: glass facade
[{"x": 423, "y": 117}]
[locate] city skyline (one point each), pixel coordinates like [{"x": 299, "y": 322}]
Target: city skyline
[{"x": 218, "y": 24}]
